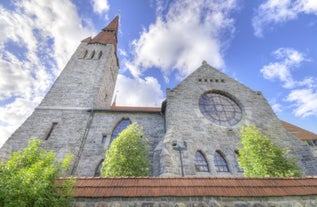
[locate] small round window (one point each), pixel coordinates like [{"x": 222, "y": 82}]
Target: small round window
[{"x": 220, "y": 109}]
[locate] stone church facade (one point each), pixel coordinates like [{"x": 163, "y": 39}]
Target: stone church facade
[{"x": 195, "y": 132}]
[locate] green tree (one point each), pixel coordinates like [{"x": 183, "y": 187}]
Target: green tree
[
  {"x": 260, "y": 157},
  {"x": 128, "y": 154},
  {"x": 29, "y": 179}
]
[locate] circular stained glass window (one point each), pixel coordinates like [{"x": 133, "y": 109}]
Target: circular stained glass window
[{"x": 220, "y": 109}]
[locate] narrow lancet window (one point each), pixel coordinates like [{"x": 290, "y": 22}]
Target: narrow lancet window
[
  {"x": 201, "y": 162},
  {"x": 84, "y": 54},
  {"x": 124, "y": 123},
  {"x": 99, "y": 55},
  {"x": 54, "y": 125},
  {"x": 92, "y": 55},
  {"x": 220, "y": 162}
]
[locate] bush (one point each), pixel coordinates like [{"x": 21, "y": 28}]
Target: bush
[
  {"x": 260, "y": 157},
  {"x": 28, "y": 178},
  {"x": 128, "y": 154}
]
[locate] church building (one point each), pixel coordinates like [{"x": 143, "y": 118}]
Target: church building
[{"x": 195, "y": 132}]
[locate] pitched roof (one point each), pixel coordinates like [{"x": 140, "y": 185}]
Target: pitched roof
[
  {"x": 96, "y": 187},
  {"x": 298, "y": 132},
  {"x": 108, "y": 35}
]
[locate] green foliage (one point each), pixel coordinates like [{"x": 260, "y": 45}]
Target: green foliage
[
  {"x": 28, "y": 179},
  {"x": 260, "y": 157},
  {"x": 128, "y": 154}
]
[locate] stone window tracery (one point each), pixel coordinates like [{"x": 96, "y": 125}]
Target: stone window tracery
[
  {"x": 220, "y": 162},
  {"x": 220, "y": 109},
  {"x": 201, "y": 164}
]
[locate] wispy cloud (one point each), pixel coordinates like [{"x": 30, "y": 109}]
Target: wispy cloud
[
  {"x": 44, "y": 32},
  {"x": 185, "y": 33},
  {"x": 305, "y": 101},
  {"x": 287, "y": 60},
  {"x": 274, "y": 12},
  {"x": 302, "y": 94}
]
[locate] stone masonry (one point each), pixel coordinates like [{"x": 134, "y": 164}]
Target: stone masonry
[{"x": 77, "y": 113}]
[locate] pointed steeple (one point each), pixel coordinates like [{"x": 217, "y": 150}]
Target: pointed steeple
[{"x": 108, "y": 35}]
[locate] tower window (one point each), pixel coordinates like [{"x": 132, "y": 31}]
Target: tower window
[
  {"x": 54, "y": 125},
  {"x": 124, "y": 123},
  {"x": 98, "y": 169},
  {"x": 201, "y": 162},
  {"x": 92, "y": 55},
  {"x": 84, "y": 54},
  {"x": 220, "y": 162},
  {"x": 99, "y": 55}
]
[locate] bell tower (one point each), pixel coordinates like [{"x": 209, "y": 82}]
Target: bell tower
[
  {"x": 89, "y": 78},
  {"x": 63, "y": 118}
]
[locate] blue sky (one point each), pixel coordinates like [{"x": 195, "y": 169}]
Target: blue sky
[{"x": 269, "y": 45}]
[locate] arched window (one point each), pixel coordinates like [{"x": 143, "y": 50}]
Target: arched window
[
  {"x": 98, "y": 169},
  {"x": 201, "y": 162},
  {"x": 220, "y": 162},
  {"x": 236, "y": 163},
  {"x": 92, "y": 55},
  {"x": 99, "y": 55},
  {"x": 84, "y": 54},
  {"x": 124, "y": 123}
]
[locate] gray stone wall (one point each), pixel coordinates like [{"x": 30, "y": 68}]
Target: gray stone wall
[
  {"x": 64, "y": 138},
  {"x": 287, "y": 201},
  {"x": 185, "y": 122},
  {"x": 85, "y": 81},
  {"x": 104, "y": 123}
]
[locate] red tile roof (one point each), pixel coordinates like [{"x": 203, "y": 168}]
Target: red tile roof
[
  {"x": 298, "y": 132},
  {"x": 94, "y": 187},
  {"x": 108, "y": 35}
]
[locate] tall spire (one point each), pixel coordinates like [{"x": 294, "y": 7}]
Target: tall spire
[{"x": 108, "y": 35}]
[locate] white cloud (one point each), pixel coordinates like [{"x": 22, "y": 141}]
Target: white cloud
[
  {"x": 302, "y": 94},
  {"x": 189, "y": 32},
  {"x": 138, "y": 92},
  {"x": 13, "y": 115},
  {"x": 46, "y": 34},
  {"x": 288, "y": 59},
  {"x": 100, "y": 6},
  {"x": 305, "y": 101},
  {"x": 277, "y": 107},
  {"x": 276, "y": 12}
]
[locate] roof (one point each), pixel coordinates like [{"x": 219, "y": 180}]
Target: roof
[
  {"x": 298, "y": 132},
  {"x": 96, "y": 187},
  {"x": 134, "y": 108},
  {"x": 108, "y": 35}
]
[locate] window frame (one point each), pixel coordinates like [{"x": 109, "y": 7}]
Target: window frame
[
  {"x": 201, "y": 164},
  {"x": 220, "y": 162}
]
